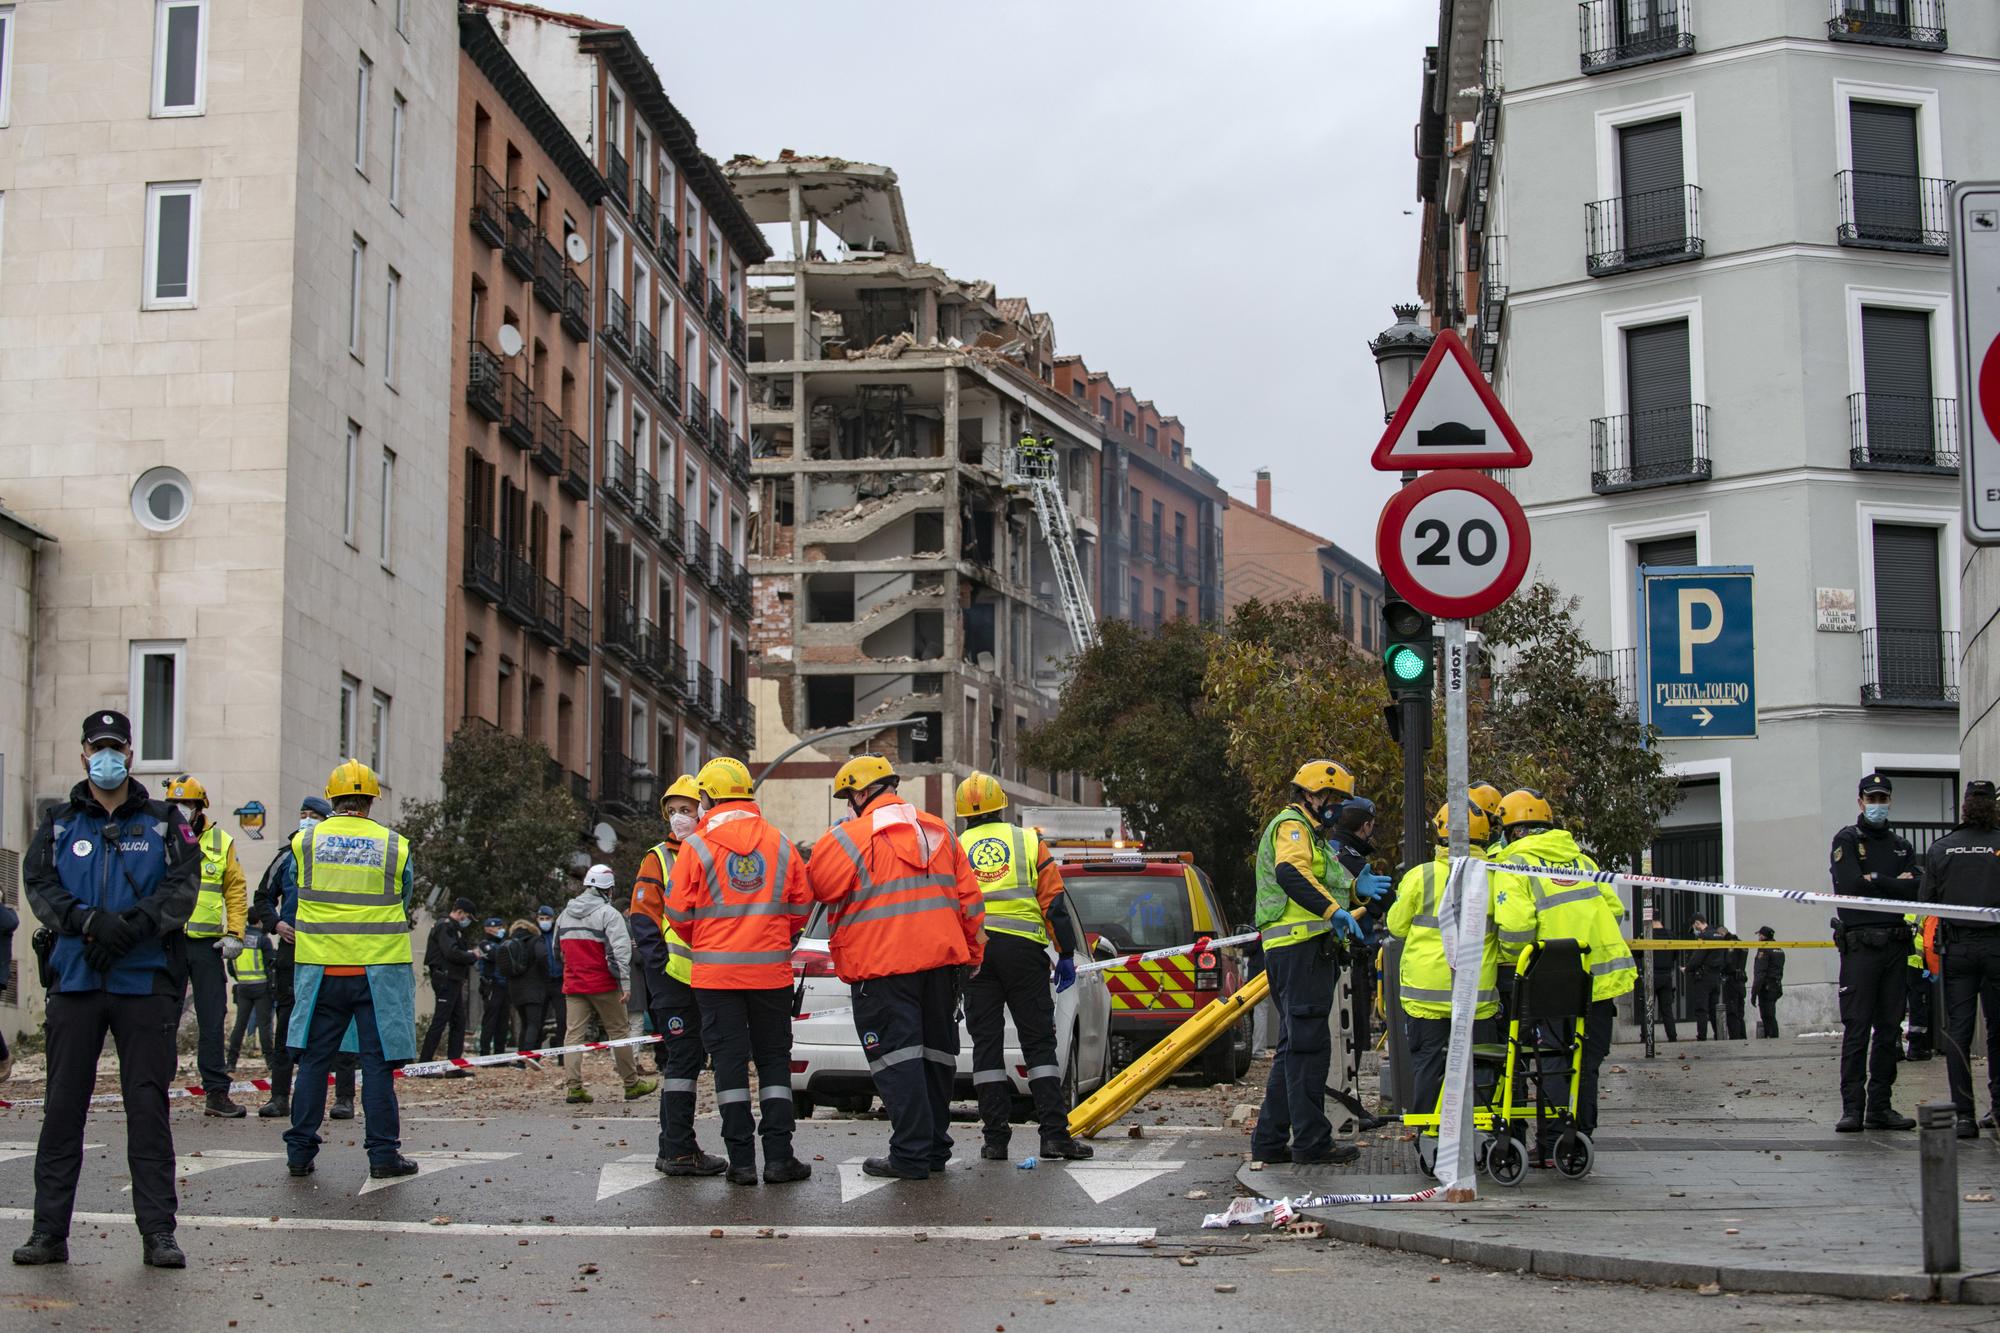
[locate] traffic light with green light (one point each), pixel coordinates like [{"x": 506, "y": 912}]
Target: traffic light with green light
[{"x": 1407, "y": 657}]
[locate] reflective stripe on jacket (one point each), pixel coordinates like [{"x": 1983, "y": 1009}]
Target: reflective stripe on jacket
[
  {"x": 653, "y": 936},
  {"x": 249, "y": 967},
  {"x": 1532, "y": 909},
  {"x": 1425, "y": 975},
  {"x": 1290, "y": 837},
  {"x": 351, "y": 910},
  {"x": 903, "y": 896},
  {"x": 209, "y": 919},
  {"x": 739, "y": 899},
  {"x": 1005, "y": 862}
]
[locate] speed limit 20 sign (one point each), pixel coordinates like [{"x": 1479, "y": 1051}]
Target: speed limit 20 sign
[{"x": 1454, "y": 543}]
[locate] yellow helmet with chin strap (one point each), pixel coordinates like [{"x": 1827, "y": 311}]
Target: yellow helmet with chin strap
[
  {"x": 188, "y": 788},
  {"x": 1478, "y": 827},
  {"x": 723, "y": 780},
  {"x": 1487, "y": 797},
  {"x": 1323, "y": 775},
  {"x": 353, "y": 778},
  {"x": 684, "y": 787},
  {"x": 1525, "y": 805},
  {"x": 980, "y": 794},
  {"x": 862, "y": 772}
]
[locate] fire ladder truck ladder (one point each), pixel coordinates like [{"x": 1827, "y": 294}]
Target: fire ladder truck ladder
[{"x": 1034, "y": 469}]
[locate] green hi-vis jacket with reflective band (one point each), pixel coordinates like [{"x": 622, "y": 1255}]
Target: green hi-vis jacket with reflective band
[
  {"x": 1291, "y": 840},
  {"x": 1531, "y": 909},
  {"x": 1424, "y": 981}
]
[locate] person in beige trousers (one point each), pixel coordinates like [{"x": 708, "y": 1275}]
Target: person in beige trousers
[{"x": 597, "y": 978}]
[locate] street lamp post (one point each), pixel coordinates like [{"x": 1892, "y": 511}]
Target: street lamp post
[
  {"x": 1399, "y": 350},
  {"x": 919, "y": 732}
]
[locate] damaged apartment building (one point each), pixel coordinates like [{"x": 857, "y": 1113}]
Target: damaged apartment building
[{"x": 903, "y": 567}]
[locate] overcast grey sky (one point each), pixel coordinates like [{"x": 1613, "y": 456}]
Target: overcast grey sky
[{"x": 1207, "y": 198}]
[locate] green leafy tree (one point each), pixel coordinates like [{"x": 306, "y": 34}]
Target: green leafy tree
[
  {"x": 504, "y": 826},
  {"x": 1133, "y": 715}
]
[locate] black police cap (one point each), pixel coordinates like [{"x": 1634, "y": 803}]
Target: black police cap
[
  {"x": 107, "y": 724},
  {"x": 1875, "y": 782}
]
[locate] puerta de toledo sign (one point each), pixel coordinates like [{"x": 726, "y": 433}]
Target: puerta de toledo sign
[{"x": 1697, "y": 675}]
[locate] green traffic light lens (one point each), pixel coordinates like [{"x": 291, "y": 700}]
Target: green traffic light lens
[{"x": 1406, "y": 663}]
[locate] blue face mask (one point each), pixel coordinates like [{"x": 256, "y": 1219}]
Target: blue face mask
[
  {"x": 546, "y": 923},
  {"x": 306, "y": 824},
  {"x": 107, "y": 769},
  {"x": 1875, "y": 815}
]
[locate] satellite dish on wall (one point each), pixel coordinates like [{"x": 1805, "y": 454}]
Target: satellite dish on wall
[
  {"x": 579, "y": 249},
  {"x": 605, "y": 837},
  {"x": 510, "y": 341}
]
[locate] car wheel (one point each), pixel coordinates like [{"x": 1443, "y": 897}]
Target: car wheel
[
  {"x": 1218, "y": 1061},
  {"x": 853, "y": 1105},
  {"x": 1069, "y": 1093},
  {"x": 1244, "y": 1033}
]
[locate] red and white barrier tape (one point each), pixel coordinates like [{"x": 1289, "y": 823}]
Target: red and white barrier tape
[
  {"x": 1281, "y": 1212},
  {"x": 1562, "y": 874}
]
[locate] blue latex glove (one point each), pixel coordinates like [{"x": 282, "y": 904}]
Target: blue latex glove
[
  {"x": 1344, "y": 924},
  {"x": 1065, "y": 974},
  {"x": 1368, "y": 886}
]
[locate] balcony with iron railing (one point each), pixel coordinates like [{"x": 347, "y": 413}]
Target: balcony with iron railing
[
  {"x": 718, "y": 434},
  {"x": 740, "y": 718},
  {"x": 550, "y": 270},
  {"x": 1618, "y": 668},
  {"x": 739, "y": 459},
  {"x": 619, "y": 627},
  {"x": 549, "y": 445},
  {"x": 697, "y": 553},
  {"x": 669, "y": 243},
  {"x": 1909, "y": 668},
  {"x": 1914, "y": 24},
  {"x": 614, "y": 781},
  {"x": 619, "y": 468},
  {"x": 1883, "y": 211},
  {"x": 1616, "y": 34},
  {"x": 617, "y": 174},
  {"x": 1890, "y": 432},
  {"x": 646, "y": 499},
  {"x": 518, "y": 422},
  {"x": 645, "y": 213},
  {"x": 1664, "y": 447},
  {"x": 697, "y": 412},
  {"x": 617, "y": 328},
  {"x": 1643, "y": 230},
  {"x": 645, "y": 355},
  {"x": 670, "y": 379},
  {"x": 739, "y": 338},
  {"x": 723, "y": 571},
  {"x": 576, "y": 466},
  {"x": 647, "y": 654},
  {"x": 739, "y": 591},
  {"x": 549, "y": 624},
  {"x": 519, "y": 253},
  {"x": 575, "y": 307},
  {"x": 483, "y": 393},
  {"x": 576, "y": 633},
  {"x": 695, "y": 279},
  {"x": 523, "y": 602},
  {"x": 673, "y": 668},
  {"x": 488, "y": 214},
  {"x": 485, "y": 571},
  {"x": 706, "y": 697},
  {"x": 718, "y": 309},
  {"x": 673, "y": 522}
]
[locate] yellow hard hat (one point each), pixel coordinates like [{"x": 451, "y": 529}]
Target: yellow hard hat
[
  {"x": 1478, "y": 827},
  {"x": 684, "y": 787},
  {"x": 722, "y": 780},
  {"x": 862, "y": 772},
  {"x": 352, "y": 778},
  {"x": 188, "y": 788},
  {"x": 980, "y": 794},
  {"x": 1324, "y": 775},
  {"x": 1525, "y": 806},
  {"x": 1486, "y": 796}
]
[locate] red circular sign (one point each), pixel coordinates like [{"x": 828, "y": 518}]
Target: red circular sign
[
  {"x": 1989, "y": 387},
  {"x": 1453, "y": 543}
]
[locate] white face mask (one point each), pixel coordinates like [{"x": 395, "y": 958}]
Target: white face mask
[{"x": 682, "y": 823}]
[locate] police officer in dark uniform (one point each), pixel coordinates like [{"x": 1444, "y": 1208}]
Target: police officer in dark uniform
[
  {"x": 1871, "y": 860},
  {"x": 114, "y": 874},
  {"x": 1963, "y": 867},
  {"x": 1704, "y": 977}
]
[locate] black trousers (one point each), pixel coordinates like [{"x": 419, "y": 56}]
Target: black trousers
[
  {"x": 676, "y": 1016},
  {"x": 1920, "y": 995},
  {"x": 253, "y": 1009},
  {"x": 1704, "y": 993},
  {"x": 529, "y": 1016},
  {"x": 909, "y": 1031},
  {"x": 1303, "y": 978},
  {"x": 1767, "y": 1015},
  {"x": 1734, "y": 993},
  {"x": 280, "y": 1056},
  {"x": 1871, "y": 1020},
  {"x": 208, "y": 979},
  {"x": 1429, "y": 1042},
  {"x": 1014, "y": 978},
  {"x": 741, "y": 1028},
  {"x": 1663, "y": 1013},
  {"x": 142, "y": 1029},
  {"x": 1598, "y": 1022},
  {"x": 1971, "y": 986},
  {"x": 496, "y": 1017},
  {"x": 449, "y": 1014}
]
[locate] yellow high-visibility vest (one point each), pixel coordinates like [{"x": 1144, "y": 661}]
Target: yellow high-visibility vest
[
  {"x": 1003, "y": 861},
  {"x": 351, "y": 894},
  {"x": 207, "y": 921}
]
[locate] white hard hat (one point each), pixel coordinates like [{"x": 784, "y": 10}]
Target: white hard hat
[{"x": 598, "y": 877}]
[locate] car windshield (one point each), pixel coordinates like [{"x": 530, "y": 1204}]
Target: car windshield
[{"x": 1135, "y": 912}]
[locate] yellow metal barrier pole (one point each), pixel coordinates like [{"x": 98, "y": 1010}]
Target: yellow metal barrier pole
[{"x": 1156, "y": 1066}]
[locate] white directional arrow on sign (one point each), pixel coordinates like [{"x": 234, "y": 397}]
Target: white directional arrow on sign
[
  {"x": 1703, "y": 716},
  {"x": 428, "y": 1162}
]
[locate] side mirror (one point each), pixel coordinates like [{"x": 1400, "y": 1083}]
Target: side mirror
[{"x": 1104, "y": 950}]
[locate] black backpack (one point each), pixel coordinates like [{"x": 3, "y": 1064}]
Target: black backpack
[{"x": 517, "y": 957}]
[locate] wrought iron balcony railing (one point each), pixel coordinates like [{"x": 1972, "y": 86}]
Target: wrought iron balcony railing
[
  {"x": 1889, "y": 432},
  {"x": 645, "y": 213},
  {"x": 645, "y": 354},
  {"x": 1917, "y": 24},
  {"x": 550, "y": 270},
  {"x": 1643, "y": 230},
  {"x": 617, "y": 174},
  {"x": 1909, "y": 668},
  {"x": 518, "y": 424},
  {"x": 576, "y": 633},
  {"x": 617, "y": 328},
  {"x": 482, "y": 381},
  {"x": 519, "y": 254},
  {"x": 549, "y": 447},
  {"x": 1663, "y": 447},
  {"x": 576, "y": 465},
  {"x": 549, "y": 625},
  {"x": 488, "y": 214},
  {"x": 485, "y": 571},
  {"x": 1618, "y": 33},
  {"x": 1880, "y": 211},
  {"x": 575, "y": 307}
]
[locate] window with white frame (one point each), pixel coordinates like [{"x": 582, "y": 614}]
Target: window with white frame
[
  {"x": 173, "y": 245},
  {"x": 363, "y": 72},
  {"x": 378, "y": 732},
  {"x": 357, "y": 302},
  {"x": 6, "y": 62},
  {"x": 1902, "y": 379},
  {"x": 350, "y": 481},
  {"x": 398, "y": 108},
  {"x": 158, "y": 703},
  {"x": 391, "y": 296},
  {"x": 180, "y": 41},
  {"x": 350, "y": 718},
  {"x": 386, "y": 549}
]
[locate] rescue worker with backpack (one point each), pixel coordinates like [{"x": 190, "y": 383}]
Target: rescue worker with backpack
[
  {"x": 670, "y": 999},
  {"x": 1023, "y": 895},
  {"x": 518, "y": 961}
]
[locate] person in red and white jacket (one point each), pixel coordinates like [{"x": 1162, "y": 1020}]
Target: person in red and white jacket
[{"x": 597, "y": 976}]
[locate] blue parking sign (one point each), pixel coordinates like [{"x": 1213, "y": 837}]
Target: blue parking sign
[{"x": 1698, "y": 652}]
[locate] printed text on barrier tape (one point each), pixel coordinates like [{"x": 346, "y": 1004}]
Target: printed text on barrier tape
[
  {"x": 1568, "y": 875},
  {"x": 1244, "y": 1212},
  {"x": 1675, "y": 946}
]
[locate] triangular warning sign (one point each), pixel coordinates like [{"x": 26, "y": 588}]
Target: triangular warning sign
[{"x": 1450, "y": 419}]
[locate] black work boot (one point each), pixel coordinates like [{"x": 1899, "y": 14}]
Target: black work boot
[
  {"x": 1888, "y": 1117},
  {"x": 395, "y": 1166},
  {"x": 343, "y": 1109},
  {"x": 697, "y": 1163},
  {"x": 994, "y": 1150},
  {"x": 787, "y": 1171},
  {"x": 161, "y": 1250},
  {"x": 218, "y": 1103},
  {"x": 743, "y": 1175},
  {"x": 887, "y": 1167},
  {"x": 1850, "y": 1116},
  {"x": 1063, "y": 1146},
  {"x": 42, "y": 1248},
  {"x": 278, "y": 1108}
]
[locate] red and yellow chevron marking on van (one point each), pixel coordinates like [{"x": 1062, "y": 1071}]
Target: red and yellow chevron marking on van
[{"x": 1158, "y": 985}]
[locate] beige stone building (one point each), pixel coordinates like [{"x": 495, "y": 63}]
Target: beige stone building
[
  {"x": 225, "y": 331},
  {"x": 22, "y": 547}
]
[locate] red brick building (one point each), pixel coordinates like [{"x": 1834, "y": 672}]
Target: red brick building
[{"x": 1270, "y": 559}]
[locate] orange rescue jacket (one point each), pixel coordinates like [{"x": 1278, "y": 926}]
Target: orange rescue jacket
[
  {"x": 739, "y": 899},
  {"x": 903, "y": 896}
]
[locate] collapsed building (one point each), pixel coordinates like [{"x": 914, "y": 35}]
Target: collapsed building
[{"x": 904, "y": 574}]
